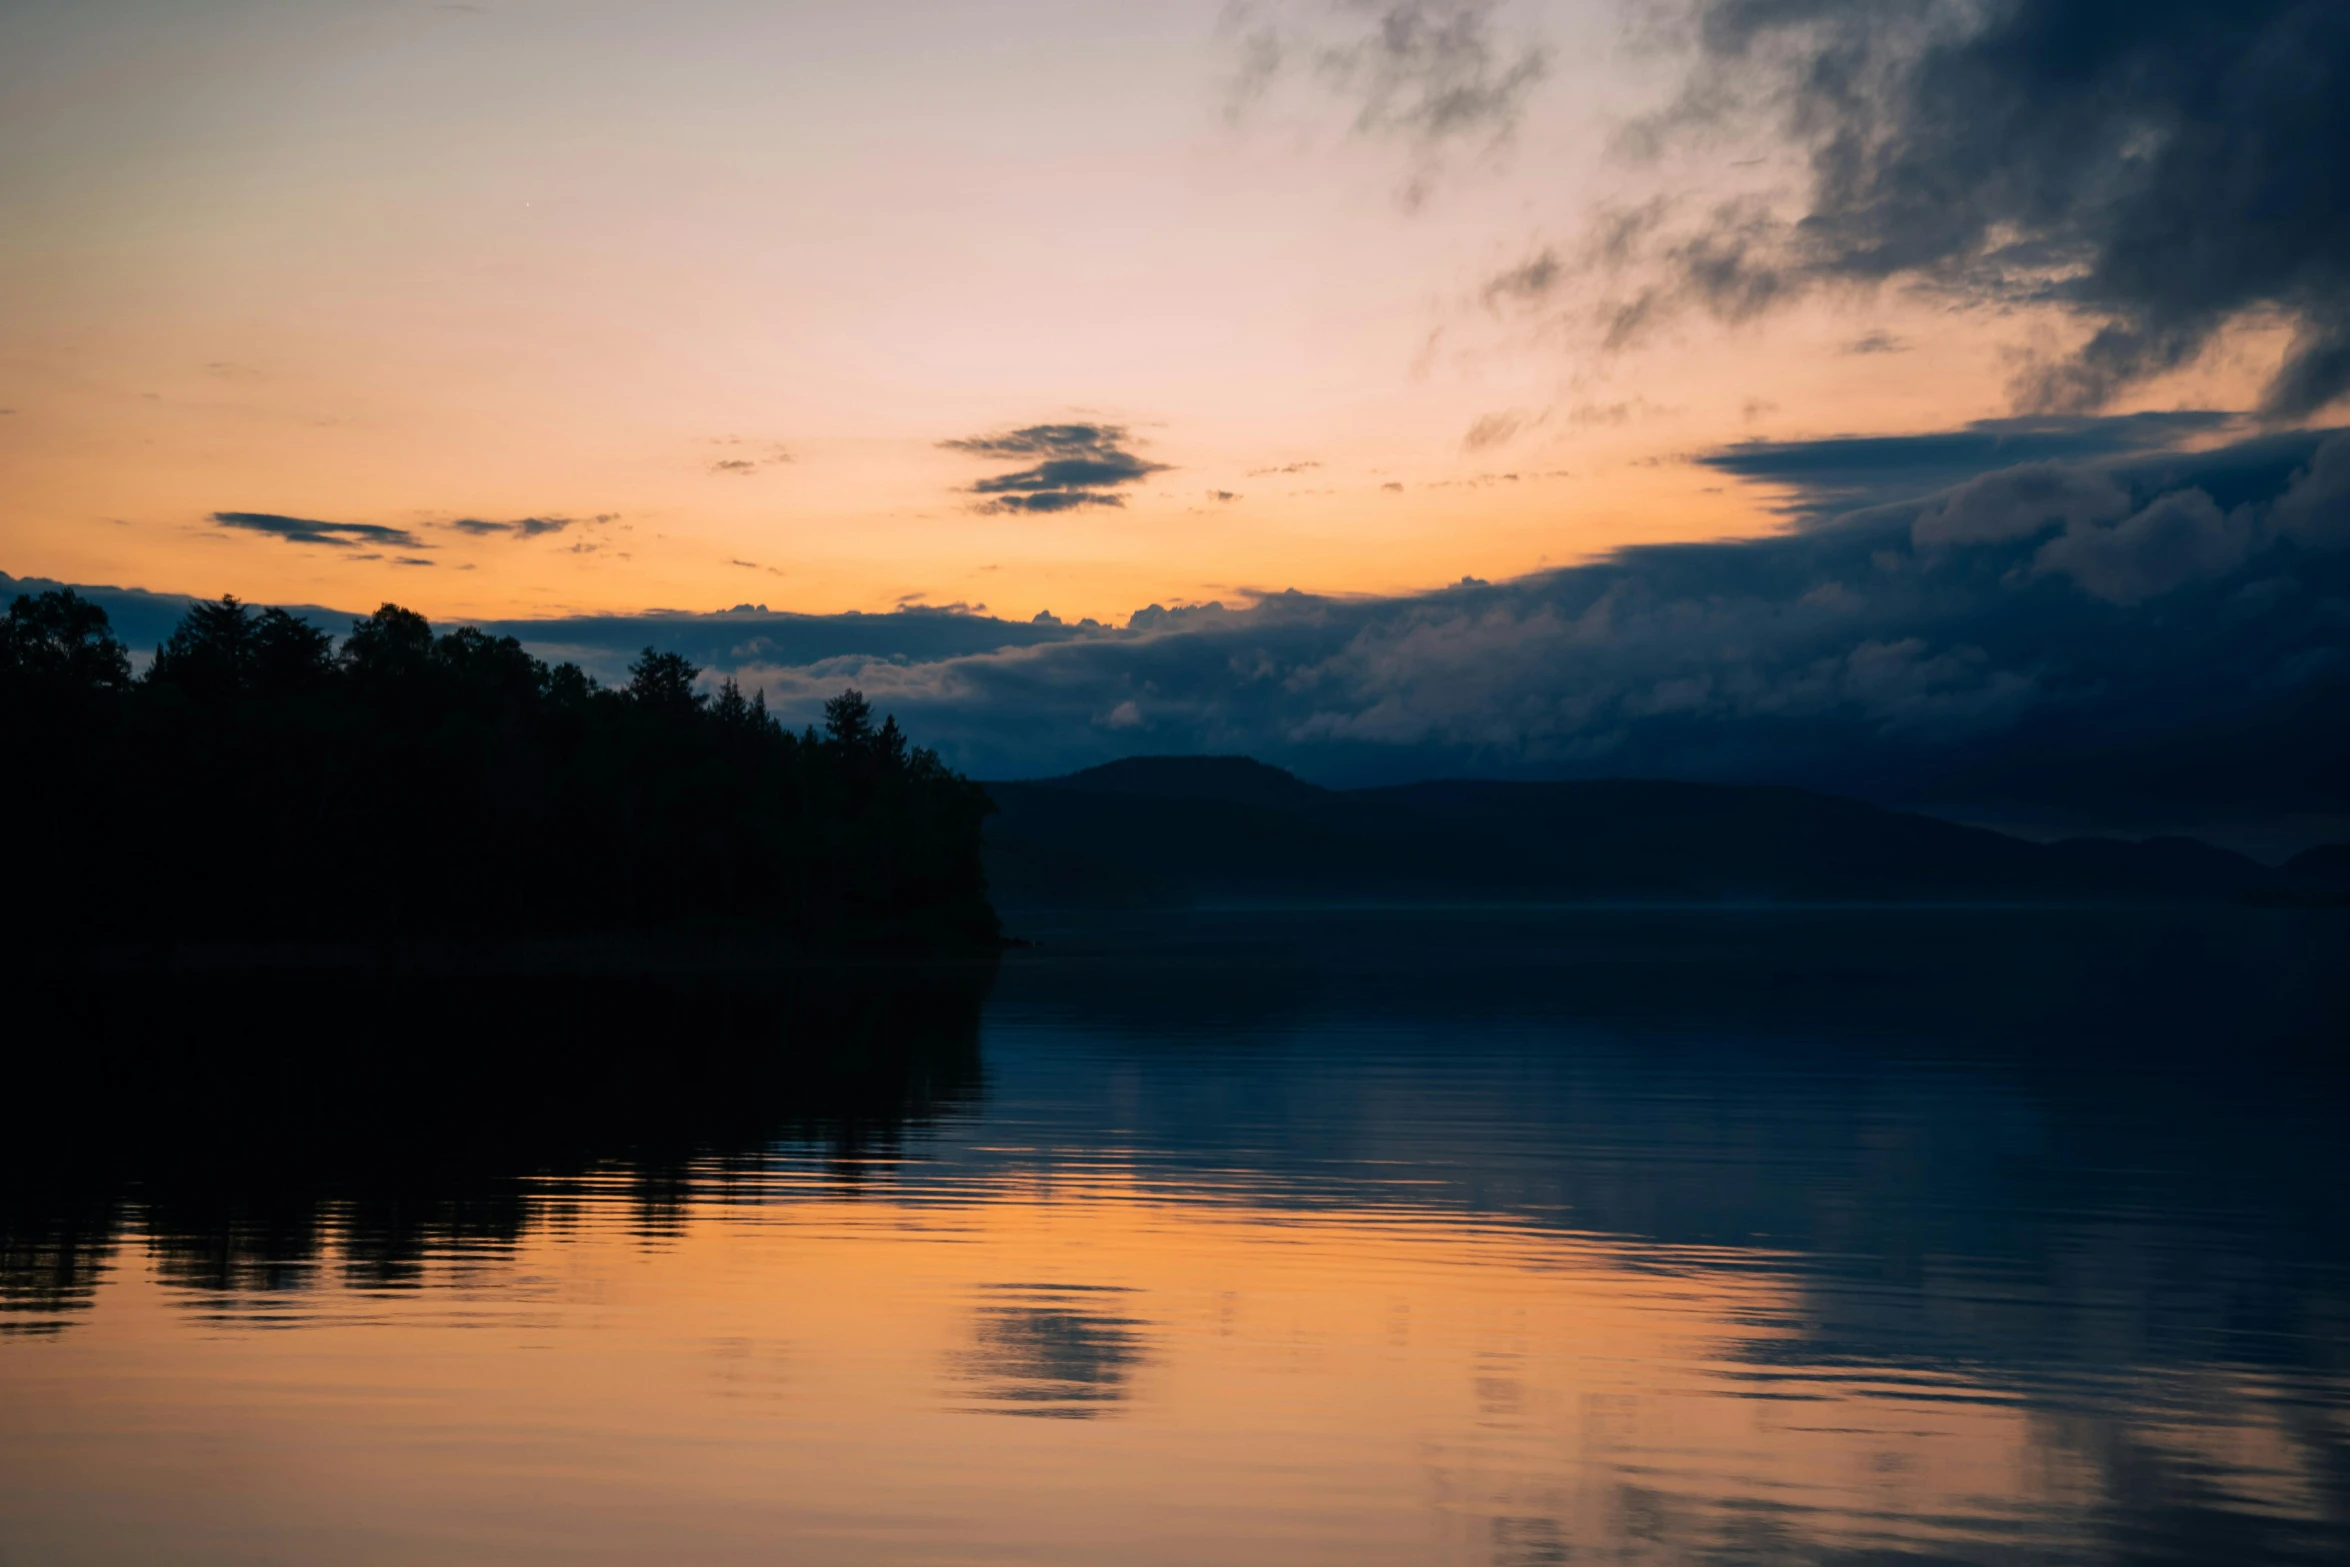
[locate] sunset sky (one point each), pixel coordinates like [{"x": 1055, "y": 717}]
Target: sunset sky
[{"x": 542, "y": 306}]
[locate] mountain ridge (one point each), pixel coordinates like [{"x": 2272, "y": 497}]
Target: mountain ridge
[{"x": 1191, "y": 829}]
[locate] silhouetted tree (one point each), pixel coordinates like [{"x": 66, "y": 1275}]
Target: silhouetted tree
[
  {"x": 848, "y": 720},
  {"x": 454, "y": 781},
  {"x": 211, "y": 655},
  {"x": 56, "y": 645},
  {"x": 388, "y": 648},
  {"x": 663, "y": 683}
]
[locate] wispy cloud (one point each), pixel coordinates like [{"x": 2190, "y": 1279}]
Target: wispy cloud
[
  {"x": 1434, "y": 74},
  {"x": 523, "y": 527},
  {"x": 311, "y": 530},
  {"x": 746, "y": 456},
  {"x": 1496, "y": 429}
]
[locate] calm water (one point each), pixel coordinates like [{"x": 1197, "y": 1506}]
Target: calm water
[{"x": 1357, "y": 1238}]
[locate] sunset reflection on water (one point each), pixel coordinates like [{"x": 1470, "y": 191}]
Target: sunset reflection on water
[{"x": 1089, "y": 1314}]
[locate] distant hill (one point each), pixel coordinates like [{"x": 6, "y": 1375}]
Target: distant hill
[{"x": 1185, "y": 829}]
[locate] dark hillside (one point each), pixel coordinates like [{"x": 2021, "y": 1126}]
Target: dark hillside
[{"x": 1177, "y": 829}]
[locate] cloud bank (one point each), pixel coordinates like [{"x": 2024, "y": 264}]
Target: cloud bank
[{"x": 2114, "y": 632}]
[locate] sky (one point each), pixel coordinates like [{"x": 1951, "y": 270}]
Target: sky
[
  {"x": 720, "y": 301},
  {"x": 1427, "y": 327}
]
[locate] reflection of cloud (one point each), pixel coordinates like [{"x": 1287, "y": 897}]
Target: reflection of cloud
[{"x": 1050, "y": 1350}]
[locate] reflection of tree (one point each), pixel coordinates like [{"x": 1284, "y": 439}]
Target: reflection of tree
[{"x": 379, "y": 1122}]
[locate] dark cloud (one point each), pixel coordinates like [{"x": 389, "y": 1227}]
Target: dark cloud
[
  {"x": 736, "y": 465},
  {"x": 1223, "y": 497},
  {"x": 2129, "y": 635},
  {"x": 412, "y": 560},
  {"x": 1040, "y": 440},
  {"x": 1841, "y": 472},
  {"x": 1877, "y": 343},
  {"x": 2159, "y": 169},
  {"x": 309, "y": 530},
  {"x": 520, "y": 527},
  {"x": 1078, "y": 465},
  {"x": 1292, "y": 467}
]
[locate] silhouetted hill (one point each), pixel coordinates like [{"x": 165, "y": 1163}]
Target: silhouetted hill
[{"x": 1184, "y": 829}]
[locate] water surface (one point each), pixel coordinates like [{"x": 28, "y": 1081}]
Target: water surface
[{"x": 1368, "y": 1236}]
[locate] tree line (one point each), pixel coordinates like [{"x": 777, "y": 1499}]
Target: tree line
[{"x": 260, "y": 781}]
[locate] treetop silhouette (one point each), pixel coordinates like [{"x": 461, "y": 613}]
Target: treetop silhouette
[{"x": 412, "y": 781}]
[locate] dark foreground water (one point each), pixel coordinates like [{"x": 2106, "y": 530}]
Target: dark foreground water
[{"x": 1350, "y": 1238}]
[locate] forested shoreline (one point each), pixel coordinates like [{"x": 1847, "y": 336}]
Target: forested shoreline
[{"x": 261, "y": 781}]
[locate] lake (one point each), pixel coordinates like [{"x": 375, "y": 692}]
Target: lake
[{"x": 1357, "y": 1236}]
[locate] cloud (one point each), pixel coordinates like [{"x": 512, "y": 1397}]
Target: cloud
[
  {"x": 309, "y": 530},
  {"x": 1492, "y": 430},
  {"x": 521, "y": 527},
  {"x": 1076, "y": 465},
  {"x": 748, "y": 456},
  {"x": 1837, "y": 473},
  {"x": 1877, "y": 343},
  {"x": 2020, "y": 502},
  {"x": 1223, "y": 497},
  {"x": 2159, "y": 172},
  {"x": 1527, "y": 283},
  {"x": 2315, "y": 510},
  {"x": 1433, "y": 74},
  {"x": 1432, "y": 70},
  {"x": 2176, "y": 539},
  {"x": 2164, "y": 638}
]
